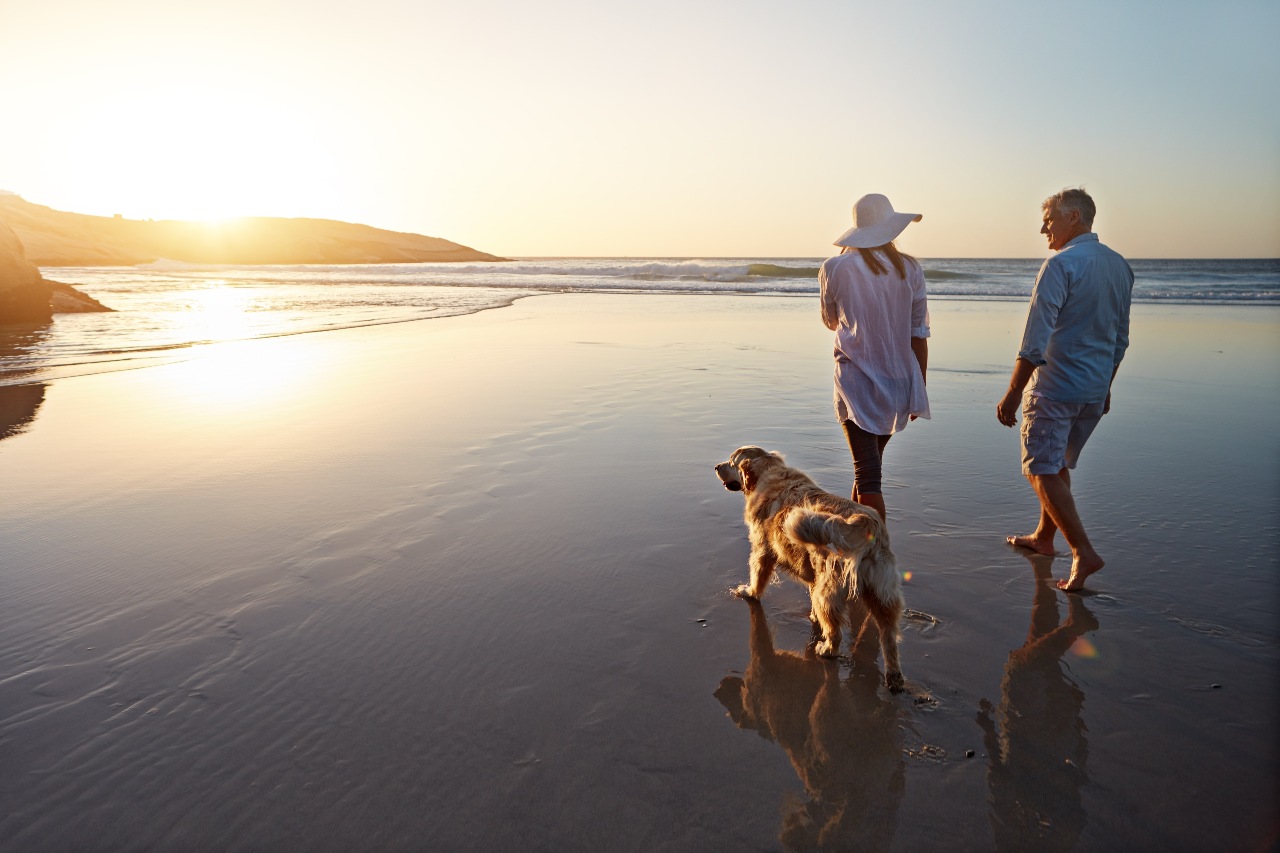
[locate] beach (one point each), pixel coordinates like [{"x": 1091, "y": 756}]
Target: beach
[{"x": 463, "y": 584}]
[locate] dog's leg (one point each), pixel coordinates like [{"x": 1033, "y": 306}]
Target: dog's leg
[
  {"x": 887, "y": 616},
  {"x": 861, "y": 630},
  {"x": 827, "y": 601},
  {"x": 762, "y": 563}
]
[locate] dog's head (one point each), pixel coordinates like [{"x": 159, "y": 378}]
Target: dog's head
[{"x": 739, "y": 472}]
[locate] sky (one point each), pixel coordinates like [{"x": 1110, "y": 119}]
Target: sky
[{"x": 697, "y": 128}]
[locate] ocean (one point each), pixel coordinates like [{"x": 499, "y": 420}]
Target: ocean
[{"x": 166, "y": 307}]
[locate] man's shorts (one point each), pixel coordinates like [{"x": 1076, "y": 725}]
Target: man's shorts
[{"x": 1053, "y": 433}]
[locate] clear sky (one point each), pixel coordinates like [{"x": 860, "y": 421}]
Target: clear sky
[{"x": 694, "y": 128}]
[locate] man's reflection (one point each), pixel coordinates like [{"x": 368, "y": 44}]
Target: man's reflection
[
  {"x": 842, "y": 738},
  {"x": 1037, "y": 746}
]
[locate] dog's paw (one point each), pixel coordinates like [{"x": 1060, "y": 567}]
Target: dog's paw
[
  {"x": 825, "y": 649},
  {"x": 895, "y": 682},
  {"x": 744, "y": 591}
]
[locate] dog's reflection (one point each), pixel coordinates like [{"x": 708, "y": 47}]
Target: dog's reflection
[
  {"x": 1037, "y": 748},
  {"x": 842, "y": 738}
]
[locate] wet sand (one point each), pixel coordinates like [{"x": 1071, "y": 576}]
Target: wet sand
[{"x": 463, "y": 585}]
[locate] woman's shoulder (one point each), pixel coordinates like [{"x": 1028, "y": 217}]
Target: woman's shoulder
[
  {"x": 911, "y": 262},
  {"x": 843, "y": 261},
  {"x": 915, "y": 270}
]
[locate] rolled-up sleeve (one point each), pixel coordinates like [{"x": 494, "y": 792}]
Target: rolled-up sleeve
[
  {"x": 919, "y": 305},
  {"x": 1047, "y": 298}
]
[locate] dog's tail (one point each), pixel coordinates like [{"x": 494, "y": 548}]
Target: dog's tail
[
  {"x": 847, "y": 537},
  {"x": 860, "y": 538}
]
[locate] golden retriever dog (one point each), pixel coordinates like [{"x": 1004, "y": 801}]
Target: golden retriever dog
[{"x": 837, "y": 548}]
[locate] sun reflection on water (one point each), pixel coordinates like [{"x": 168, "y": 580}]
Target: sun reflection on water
[
  {"x": 230, "y": 368},
  {"x": 219, "y": 312},
  {"x": 241, "y": 373}
]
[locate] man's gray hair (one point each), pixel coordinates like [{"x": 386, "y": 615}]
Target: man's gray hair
[{"x": 1072, "y": 199}]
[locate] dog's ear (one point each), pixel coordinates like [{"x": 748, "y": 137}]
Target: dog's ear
[{"x": 749, "y": 476}]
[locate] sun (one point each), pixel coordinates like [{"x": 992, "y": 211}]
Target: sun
[{"x": 197, "y": 150}]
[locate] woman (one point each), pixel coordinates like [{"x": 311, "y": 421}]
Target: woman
[{"x": 873, "y": 298}]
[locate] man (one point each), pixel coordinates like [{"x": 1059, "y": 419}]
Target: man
[{"x": 1076, "y": 335}]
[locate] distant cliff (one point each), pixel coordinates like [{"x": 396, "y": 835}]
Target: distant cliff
[{"x": 56, "y": 238}]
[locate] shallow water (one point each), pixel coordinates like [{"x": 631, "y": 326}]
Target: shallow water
[
  {"x": 463, "y": 584},
  {"x": 165, "y": 310}
]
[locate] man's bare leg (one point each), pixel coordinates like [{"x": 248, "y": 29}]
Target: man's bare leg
[
  {"x": 1041, "y": 541},
  {"x": 1054, "y": 492}
]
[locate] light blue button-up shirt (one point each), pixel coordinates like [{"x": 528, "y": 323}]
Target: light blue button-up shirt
[{"x": 1078, "y": 324}]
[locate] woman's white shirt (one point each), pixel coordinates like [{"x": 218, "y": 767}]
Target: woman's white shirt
[{"x": 878, "y": 383}]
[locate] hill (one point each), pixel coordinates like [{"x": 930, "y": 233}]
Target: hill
[{"x": 58, "y": 238}]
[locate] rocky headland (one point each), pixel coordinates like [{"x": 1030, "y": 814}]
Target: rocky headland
[
  {"x": 57, "y": 238},
  {"x": 33, "y": 236}
]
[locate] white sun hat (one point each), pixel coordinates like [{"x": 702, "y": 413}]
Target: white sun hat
[{"x": 875, "y": 223}]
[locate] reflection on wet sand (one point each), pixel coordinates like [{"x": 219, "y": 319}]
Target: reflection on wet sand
[
  {"x": 18, "y": 407},
  {"x": 19, "y": 403},
  {"x": 842, "y": 738},
  {"x": 1037, "y": 745}
]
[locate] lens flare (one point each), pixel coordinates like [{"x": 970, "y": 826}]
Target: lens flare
[
  {"x": 906, "y": 576},
  {"x": 1083, "y": 648}
]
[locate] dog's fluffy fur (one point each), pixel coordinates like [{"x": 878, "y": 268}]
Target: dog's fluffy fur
[{"x": 836, "y": 547}]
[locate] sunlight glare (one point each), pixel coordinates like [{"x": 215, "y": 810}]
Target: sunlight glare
[
  {"x": 238, "y": 375},
  {"x": 229, "y": 368},
  {"x": 219, "y": 313},
  {"x": 200, "y": 150}
]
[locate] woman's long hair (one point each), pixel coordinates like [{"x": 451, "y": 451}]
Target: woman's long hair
[{"x": 888, "y": 250}]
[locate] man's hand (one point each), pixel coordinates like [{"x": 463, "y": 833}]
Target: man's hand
[{"x": 1007, "y": 409}]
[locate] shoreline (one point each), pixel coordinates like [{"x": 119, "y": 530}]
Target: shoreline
[{"x": 49, "y": 373}]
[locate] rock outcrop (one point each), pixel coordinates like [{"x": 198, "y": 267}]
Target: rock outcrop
[
  {"x": 65, "y": 299},
  {"x": 57, "y": 238},
  {"x": 28, "y": 298},
  {"x": 24, "y": 294}
]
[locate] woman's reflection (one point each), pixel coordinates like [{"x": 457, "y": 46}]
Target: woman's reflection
[
  {"x": 842, "y": 738},
  {"x": 1037, "y": 745}
]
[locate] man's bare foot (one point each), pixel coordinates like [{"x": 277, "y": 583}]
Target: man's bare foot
[
  {"x": 1080, "y": 569},
  {"x": 1033, "y": 542}
]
